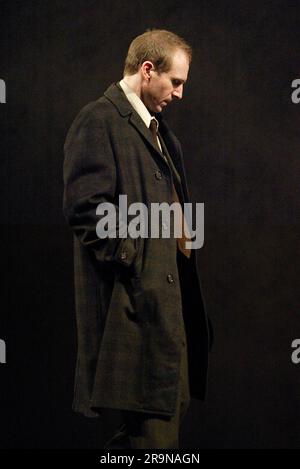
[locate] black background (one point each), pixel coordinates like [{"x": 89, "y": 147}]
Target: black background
[{"x": 240, "y": 134}]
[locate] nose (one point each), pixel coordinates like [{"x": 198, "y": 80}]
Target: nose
[{"x": 178, "y": 92}]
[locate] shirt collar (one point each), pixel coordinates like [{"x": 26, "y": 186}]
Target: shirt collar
[{"x": 137, "y": 104}]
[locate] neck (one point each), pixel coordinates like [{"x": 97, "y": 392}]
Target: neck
[{"x": 134, "y": 82}]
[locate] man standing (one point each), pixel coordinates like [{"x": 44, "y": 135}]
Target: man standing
[{"x": 143, "y": 336}]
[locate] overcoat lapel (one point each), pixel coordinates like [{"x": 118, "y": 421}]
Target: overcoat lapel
[{"x": 116, "y": 95}]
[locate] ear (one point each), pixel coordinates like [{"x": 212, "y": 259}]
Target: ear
[{"x": 146, "y": 69}]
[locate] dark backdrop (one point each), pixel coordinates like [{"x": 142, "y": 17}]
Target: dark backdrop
[{"x": 240, "y": 134}]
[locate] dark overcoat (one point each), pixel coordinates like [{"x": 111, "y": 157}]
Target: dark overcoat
[{"x": 130, "y": 305}]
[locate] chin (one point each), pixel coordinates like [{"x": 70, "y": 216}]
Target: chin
[{"x": 156, "y": 108}]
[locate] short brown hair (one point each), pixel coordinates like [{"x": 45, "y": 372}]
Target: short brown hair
[{"x": 158, "y": 46}]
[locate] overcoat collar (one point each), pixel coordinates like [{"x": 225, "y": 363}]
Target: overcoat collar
[{"x": 116, "y": 95}]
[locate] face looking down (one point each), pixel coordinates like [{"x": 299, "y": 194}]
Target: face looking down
[{"x": 160, "y": 89}]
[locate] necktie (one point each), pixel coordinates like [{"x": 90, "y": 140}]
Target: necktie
[{"x": 180, "y": 241}]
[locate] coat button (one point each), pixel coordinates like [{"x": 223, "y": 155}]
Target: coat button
[
  {"x": 158, "y": 175},
  {"x": 123, "y": 255},
  {"x": 170, "y": 278}
]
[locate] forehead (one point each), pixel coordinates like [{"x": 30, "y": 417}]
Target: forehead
[{"x": 180, "y": 66}]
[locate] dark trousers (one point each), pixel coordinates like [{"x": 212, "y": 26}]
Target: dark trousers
[{"x": 144, "y": 431}]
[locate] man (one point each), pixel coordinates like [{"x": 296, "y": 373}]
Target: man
[{"x": 142, "y": 328}]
